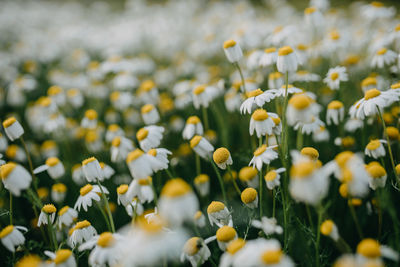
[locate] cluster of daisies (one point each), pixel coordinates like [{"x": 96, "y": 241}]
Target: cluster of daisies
[{"x": 189, "y": 134}]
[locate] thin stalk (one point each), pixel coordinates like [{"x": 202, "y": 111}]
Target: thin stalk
[
  {"x": 234, "y": 181},
  {"x": 260, "y": 183},
  {"x": 221, "y": 182},
  {"x": 317, "y": 258},
  {"x": 285, "y": 236},
  {"x": 104, "y": 215},
  {"x": 198, "y": 164},
  {"x": 343, "y": 246},
  {"x": 205, "y": 118},
  {"x": 241, "y": 76},
  {"x": 273, "y": 202},
  {"x": 11, "y": 209},
  {"x": 169, "y": 174},
  {"x": 29, "y": 162},
  {"x": 309, "y": 216},
  {"x": 103, "y": 196},
  {"x": 52, "y": 236},
  {"x": 299, "y": 140},
  {"x": 354, "y": 216},
  {"x": 248, "y": 225},
  {"x": 389, "y": 147},
  {"x": 155, "y": 193}
]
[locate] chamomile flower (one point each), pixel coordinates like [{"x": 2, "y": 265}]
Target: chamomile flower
[
  {"x": 202, "y": 184},
  {"x": 135, "y": 208},
  {"x": 301, "y": 109},
  {"x": 219, "y": 214},
  {"x": 304, "y": 76},
  {"x": 11, "y": 236},
  {"x": 142, "y": 189},
  {"x": 372, "y": 101},
  {"x": 54, "y": 168},
  {"x": 375, "y": 148},
  {"x": 383, "y": 57},
  {"x": 222, "y": 157},
  {"x": 269, "y": 57},
  {"x": 15, "y": 177},
  {"x": 335, "y": 76},
  {"x": 249, "y": 175},
  {"x": 150, "y": 137},
  {"x": 335, "y": 112},
  {"x": 314, "y": 18},
  {"x": 225, "y": 235},
  {"x": 287, "y": 60},
  {"x": 256, "y": 98},
  {"x": 160, "y": 158},
  {"x": 370, "y": 249},
  {"x": 75, "y": 97},
  {"x": 58, "y": 192},
  {"x": 378, "y": 175},
  {"x": 66, "y": 216},
  {"x": 140, "y": 164},
  {"x": 201, "y": 146},
  {"x": 105, "y": 249},
  {"x": 261, "y": 122},
  {"x": 13, "y": 128},
  {"x": 120, "y": 148},
  {"x": 268, "y": 225},
  {"x": 232, "y": 51},
  {"x": 193, "y": 127},
  {"x": 122, "y": 193},
  {"x": 77, "y": 174},
  {"x": 329, "y": 228},
  {"x": 15, "y": 153},
  {"x": 177, "y": 202},
  {"x": 62, "y": 258},
  {"x": 263, "y": 155},
  {"x": 352, "y": 124},
  {"x": 30, "y": 260},
  {"x": 369, "y": 83},
  {"x": 92, "y": 170},
  {"x": 195, "y": 251},
  {"x": 249, "y": 197},
  {"x": 202, "y": 96},
  {"x": 88, "y": 194},
  {"x": 82, "y": 231},
  {"x": 113, "y": 131},
  {"x": 89, "y": 121},
  {"x": 199, "y": 219},
  {"x": 233, "y": 247},
  {"x": 47, "y": 215},
  {"x": 275, "y": 80},
  {"x": 273, "y": 178},
  {"x": 150, "y": 114},
  {"x": 148, "y": 92}
]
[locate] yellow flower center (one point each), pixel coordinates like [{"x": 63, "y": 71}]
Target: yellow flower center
[
  {"x": 198, "y": 215},
  {"x": 270, "y": 176},
  {"x": 374, "y": 144},
  {"x": 53, "y": 161},
  {"x": 6, "y": 231},
  {"x": 87, "y": 161},
  {"x": 247, "y": 173},
  {"x": 395, "y": 86},
  {"x": 147, "y": 108},
  {"x": 270, "y": 50},
  {"x": 91, "y": 114},
  {"x": 368, "y": 81},
  {"x": 309, "y": 10},
  {"x": 152, "y": 152},
  {"x": 284, "y": 51},
  {"x": 8, "y": 122},
  {"x": 85, "y": 189},
  {"x": 147, "y": 85},
  {"x": 44, "y": 101},
  {"x": 221, "y": 155},
  {"x": 302, "y": 47},
  {"x": 310, "y": 152},
  {"x": 342, "y": 158},
  {"x": 343, "y": 190},
  {"x": 6, "y": 169},
  {"x": 335, "y": 105},
  {"x": 152, "y": 227},
  {"x": 235, "y": 246},
  {"x": 215, "y": 206},
  {"x": 59, "y": 188},
  {"x": 192, "y": 246},
  {"x": 260, "y": 150},
  {"x": 142, "y": 134},
  {"x": 29, "y": 261},
  {"x": 195, "y": 141},
  {"x": 254, "y": 93},
  {"x": 376, "y": 170},
  {"x": 300, "y": 101},
  {"x": 260, "y": 115},
  {"x": 272, "y": 256},
  {"x": 369, "y": 248},
  {"x": 302, "y": 170},
  {"x": 248, "y": 195},
  {"x": 49, "y": 208},
  {"x": 106, "y": 239},
  {"x": 122, "y": 189},
  {"x": 145, "y": 181},
  {"x": 377, "y": 4},
  {"x": 201, "y": 179},
  {"x": 381, "y": 51},
  {"x": 63, "y": 210},
  {"x": 193, "y": 120},
  {"x": 175, "y": 188},
  {"x": 54, "y": 90},
  {"x": 62, "y": 255},
  {"x": 82, "y": 224},
  {"x": 392, "y": 132},
  {"x": 372, "y": 93},
  {"x": 334, "y": 35},
  {"x": 334, "y": 76},
  {"x": 134, "y": 155},
  {"x": 347, "y": 175},
  {"x": 226, "y": 233},
  {"x": 276, "y": 120},
  {"x": 199, "y": 89},
  {"x": 326, "y": 227},
  {"x": 274, "y": 75},
  {"x": 116, "y": 141},
  {"x": 229, "y": 43}
]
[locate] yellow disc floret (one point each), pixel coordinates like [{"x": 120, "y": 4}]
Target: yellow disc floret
[
  {"x": 85, "y": 189},
  {"x": 134, "y": 155},
  {"x": 6, "y": 169},
  {"x": 284, "y": 51},
  {"x": 327, "y": 227},
  {"x": 53, "y": 161},
  {"x": 272, "y": 256},
  {"x": 195, "y": 141},
  {"x": 8, "y": 122},
  {"x": 300, "y": 101},
  {"x": 62, "y": 255},
  {"x": 310, "y": 152},
  {"x": 221, "y": 155},
  {"x": 229, "y": 43},
  {"x": 49, "y": 208},
  {"x": 247, "y": 173},
  {"x": 260, "y": 115},
  {"x": 6, "y": 231},
  {"x": 192, "y": 246},
  {"x": 235, "y": 246},
  {"x": 142, "y": 134},
  {"x": 369, "y": 248},
  {"x": 215, "y": 206},
  {"x": 226, "y": 233},
  {"x": 175, "y": 188},
  {"x": 106, "y": 239},
  {"x": 122, "y": 189},
  {"x": 335, "y": 105},
  {"x": 248, "y": 195},
  {"x": 372, "y": 93}
]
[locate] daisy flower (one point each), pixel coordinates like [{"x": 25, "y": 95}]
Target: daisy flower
[
  {"x": 375, "y": 148},
  {"x": 113, "y": 131},
  {"x": 142, "y": 189},
  {"x": 269, "y": 57},
  {"x": 148, "y": 92},
  {"x": 66, "y": 216},
  {"x": 225, "y": 235},
  {"x": 82, "y": 231},
  {"x": 201, "y": 146},
  {"x": 370, "y": 249},
  {"x": 15, "y": 178},
  {"x": 195, "y": 251},
  {"x": 275, "y": 80},
  {"x": 383, "y": 57},
  {"x": 273, "y": 178},
  {"x": 13, "y": 128},
  {"x": 261, "y": 122},
  {"x": 256, "y": 98},
  {"x": 89, "y": 121},
  {"x": 58, "y": 192},
  {"x": 249, "y": 197},
  {"x": 140, "y": 164},
  {"x": 219, "y": 214},
  {"x": 202, "y": 96},
  {"x": 11, "y": 236},
  {"x": 199, "y": 219},
  {"x": 222, "y": 157},
  {"x": 150, "y": 114},
  {"x": 335, "y": 76},
  {"x": 232, "y": 51},
  {"x": 202, "y": 184},
  {"x": 304, "y": 76},
  {"x": 268, "y": 225},
  {"x": 301, "y": 109},
  {"x": 160, "y": 156},
  {"x": 369, "y": 83},
  {"x": 335, "y": 112},
  {"x": 193, "y": 127},
  {"x": 249, "y": 175},
  {"x": 287, "y": 60},
  {"x": 54, "y": 168},
  {"x": 92, "y": 170},
  {"x": 150, "y": 137},
  {"x": 87, "y": 194},
  {"x": 233, "y": 247},
  {"x": 263, "y": 155},
  {"x": 47, "y": 215},
  {"x": 329, "y": 228},
  {"x": 378, "y": 175},
  {"x": 177, "y": 202},
  {"x": 120, "y": 148}
]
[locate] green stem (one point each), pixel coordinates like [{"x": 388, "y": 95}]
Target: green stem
[
  {"x": 273, "y": 202},
  {"x": 52, "y": 236},
  {"x": 11, "y": 209},
  {"x": 354, "y": 216},
  {"x": 103, "y": 196},
  {"x": 169, "y": 174},
  {"x": 198, "y": 164},
  {"x": 309, "y": 216},
  {"x": 241, "y": 76},
  {"x": 155, "y": 193},
  {"x": 317, "y": 258},
  {"x": 205, "y": 118},
  {"x": 221, "y": 182},
  {"x": 30, "y": 163},
  {"x": 234, "y": 181},
  {"x": 299, "y": 141},
  {"x": 104, "y": 215}
]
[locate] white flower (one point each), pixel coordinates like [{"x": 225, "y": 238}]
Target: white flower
[
  {"x": 54, "y": 168},
  {"x": 120, "y": 148},
  {"x": 92, "y": 170},
  {"x": 329, "y": 228},
  {"x": 287, "y": 60},
  {"x": 275, "y": 80},
  {"x": 370, "y": 249},
  {"x": 202, "y": 184},
  {"x": 11, "y": 236},
  {"x": 150, "y": 137},
  {"x": 383, "y": 57},
  {"x": 225, "y": 235},
  {"x": 269, "y": 57},
  {"x": 375, "y": 148},
  {"x": 135, "y": 208},
  {"x": 150, "y": 114},
  {"x": 13, "y": 128},
  {"x": 352, "y": 124},
  {"x": 201, "y": 146},
  {"x": 256, "y": 98},
  {"x": 222, "y": 157},
  {"x": 263, "y": 155},
  {"x": 273, "y": 178},
  {"x": 88, "y": 193},
  {"x": 261, "y": 121},
  {"x": 89, "y": 121},
  {"x": 219, "y": 214},
  {"x": 15, "y": 178},
  {"x": 47, "y": 215},
  {"x": 66, "y": 216},
  {"x": 58, "y": 192},
  {"x": 177, "y": 202},
  {"x": 232, "y": 51},
  {"x": 140, "y": 164},
  {"x": 195, "y": 251},
  {"x": 301, "y": 109},
  {"x": 81, "y": 232},
  {"x": 142, "y": 189},
  {"x": 378, "y": 175},
  {"x": 199, "y": 219},
  {"x": 62, "y": 258},
  {"x": 335, "y": 76},
  {"x": 193, "y": 127},
  {"x": 202, "y": 96},
  {"x": 268, "y": 225},
  {"x": 335, "y": 112}
]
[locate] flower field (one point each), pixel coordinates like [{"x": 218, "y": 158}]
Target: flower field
[{"x": 199, "y": 133}]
